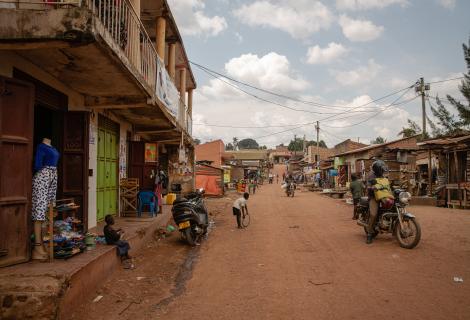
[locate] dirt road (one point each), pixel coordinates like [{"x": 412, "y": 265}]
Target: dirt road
[{"x": 304, "y": 258}]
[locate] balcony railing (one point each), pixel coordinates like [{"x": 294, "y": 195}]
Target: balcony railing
[{"x": 121, "y": 28}]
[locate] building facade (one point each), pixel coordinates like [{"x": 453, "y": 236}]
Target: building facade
[{"x": 110, "y": 84}]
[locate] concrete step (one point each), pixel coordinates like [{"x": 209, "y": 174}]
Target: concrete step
[{"x": 43, "y": 290}]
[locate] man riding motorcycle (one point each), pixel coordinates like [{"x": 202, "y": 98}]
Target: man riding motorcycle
[{"x": 378, "y": 170}]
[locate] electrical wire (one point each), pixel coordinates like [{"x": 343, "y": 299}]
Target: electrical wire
[
  {"x": 446, "y": 80},
  {"x": 219, "y": 77},
  {"x": 365, "y": 120}
]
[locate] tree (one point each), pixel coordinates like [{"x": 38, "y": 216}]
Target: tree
[
  {"x": 197, "y": 141},
  {"x": 447, "y": 122},
  {"x": 263, "y": 148},
  {"x": 298, "y": 144},
  {"x": 235, "y": 143},
  {"x": 412, "y": 129},
  {"x": 378, "y": 140},
  {"x": 229, "y": 146},
  {"x": 248, "y": 144}
]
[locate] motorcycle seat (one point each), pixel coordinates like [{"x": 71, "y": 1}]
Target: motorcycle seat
[
  {"x": 364, "y": 201},
  {"x": 180, "y": 200}
]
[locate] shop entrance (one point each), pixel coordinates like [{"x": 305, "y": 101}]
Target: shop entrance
[
  {"x": 68, "y": 131},
  {"x": 108, "y": 159}
]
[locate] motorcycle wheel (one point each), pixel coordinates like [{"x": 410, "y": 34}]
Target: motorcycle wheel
[
  {"x": 190, "y": 238},
  {"x": 408, "y": 238}
]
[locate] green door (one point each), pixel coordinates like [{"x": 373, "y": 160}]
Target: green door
[{"x": 107, "y": 184}]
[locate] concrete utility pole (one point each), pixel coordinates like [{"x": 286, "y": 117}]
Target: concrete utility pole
[
  {"x": 422, "y": 88},
  {"x": 304, "y": 145},
  {"x": 318, "y": 143},
  {"x": 295, "y": 144}
]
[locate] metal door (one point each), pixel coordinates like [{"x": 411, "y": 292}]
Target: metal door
[
  {"x": 107, "y": 184},
  {"x": 16, "y": 139}
]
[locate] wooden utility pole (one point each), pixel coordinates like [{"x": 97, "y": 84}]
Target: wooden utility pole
[{"x": 318, "y": 143}]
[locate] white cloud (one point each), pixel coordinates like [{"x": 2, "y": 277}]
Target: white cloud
[
  {"x": 448, "y": 4},
  {"x": 359, "y": 76},
  {"x": 239, "y": 37},
  {"x": 193, "y": 21},
  {"x": 356, "y": 5},
  {"x": 359, "y": 30},
  {"x": 271, "y": 72},
  {"x": 299, "y": 18},
  {"x": 317, "y": 55}
]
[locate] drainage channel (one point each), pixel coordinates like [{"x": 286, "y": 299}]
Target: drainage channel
[{"x": 185, "y": 273}]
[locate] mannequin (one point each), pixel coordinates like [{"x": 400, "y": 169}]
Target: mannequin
[{"x": 44, "y": 191}]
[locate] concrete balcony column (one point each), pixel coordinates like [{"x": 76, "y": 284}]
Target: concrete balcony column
[
  {"x": 182, "y": 86},
  {"x": 182, "y": 89},
  {"x": 134, "y": 36},
  {"x": 190, "y": 102},
  {"x": 161, "y": 37},
  {"x": 172, "y": 61}
]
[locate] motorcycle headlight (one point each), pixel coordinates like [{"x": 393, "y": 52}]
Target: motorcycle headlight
[{"x": 404, "y": 197}]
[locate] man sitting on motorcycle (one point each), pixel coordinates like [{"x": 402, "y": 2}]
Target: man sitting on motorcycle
[{"x": 378, "y": 170}]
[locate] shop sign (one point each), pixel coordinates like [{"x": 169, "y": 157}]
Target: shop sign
[
  {"x": 166, "y": 90},
  {"x": 151, "y": 154}
]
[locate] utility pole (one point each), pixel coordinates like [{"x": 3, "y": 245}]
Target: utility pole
[
  {"x": 318, "y": 144},
  {"x": 304, "y": 145},
  {"x": 295, "y": 145},
  {"x": 421, "y": 88}
]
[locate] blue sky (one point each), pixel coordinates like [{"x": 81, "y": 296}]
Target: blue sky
[{"x": 339, "y": 52}]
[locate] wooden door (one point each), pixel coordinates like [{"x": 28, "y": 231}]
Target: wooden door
[
  {"x": 108, "y": 159},
  {"x": 16, "y": 140},
  {"x": 138, "y": 168},
  {"x": 74, "y": 180}
]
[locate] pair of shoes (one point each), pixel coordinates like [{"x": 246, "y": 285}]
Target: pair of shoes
[
  {"x": 240, "y": 227},
  {"x": 369, "y": 239}
]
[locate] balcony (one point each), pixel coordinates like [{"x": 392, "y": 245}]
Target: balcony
[{"x": 101, "y": 49}]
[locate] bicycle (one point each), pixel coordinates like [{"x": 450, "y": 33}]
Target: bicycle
[{"x": 245, "y": 220}]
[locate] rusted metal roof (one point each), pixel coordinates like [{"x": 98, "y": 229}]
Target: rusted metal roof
[
  {"x": 445, "y": 141},
  {"x": 376, "y": 146}
]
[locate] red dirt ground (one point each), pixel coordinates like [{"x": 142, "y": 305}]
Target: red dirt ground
[{"x": 300, "y": 258}]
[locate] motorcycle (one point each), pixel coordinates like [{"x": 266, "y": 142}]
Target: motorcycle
[
  {"x": 392, "y": 218},
  {"x": 191, "y": 216},
  {"x": 290, "y": 189}
]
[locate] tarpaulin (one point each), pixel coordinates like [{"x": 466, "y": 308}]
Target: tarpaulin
[{"x": 211, "y": 184}]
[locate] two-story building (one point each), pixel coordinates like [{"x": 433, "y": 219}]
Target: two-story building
[{"x": 109, "y": 82}]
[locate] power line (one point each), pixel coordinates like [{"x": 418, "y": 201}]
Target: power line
[
  {"x": 376, "y": 114},
  {"x": 446, "y": 80},
  {"x": 310, "y": 123},
  {"x": 219, "y": 77}
]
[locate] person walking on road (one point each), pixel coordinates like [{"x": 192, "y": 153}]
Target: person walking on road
[
  {"x": 357, "y": 189},
  {"x": 239, "y": 207}
]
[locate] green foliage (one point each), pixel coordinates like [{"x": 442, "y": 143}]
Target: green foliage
[
  {"x": 229, "y": 146},
  {"x": 298, "y": 144},
  {"x": 378, "y": 140},
  {"x": 248, "y": 144},
  {"x": 235, "y": 143},
  {"x": 447, "y": 123},
  {"x": 197, "y": 141},
  {"x": 412, "y": 129}
]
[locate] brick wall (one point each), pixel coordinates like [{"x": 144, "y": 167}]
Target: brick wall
[{"x": 211, "y": 151}]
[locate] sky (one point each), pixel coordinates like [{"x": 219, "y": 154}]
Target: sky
[{"x": 325, "y": 61}]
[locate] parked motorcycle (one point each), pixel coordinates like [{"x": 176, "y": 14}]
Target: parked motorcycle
[
  {"x": 191, "y": 216},
  {"x": 290, "y": 189},
  {"x": 393, "y": 218}
]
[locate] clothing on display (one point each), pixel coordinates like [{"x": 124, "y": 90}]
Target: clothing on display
[
  {"x": 44, "y": 180},
  {"x": 46, "y": 156}
]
